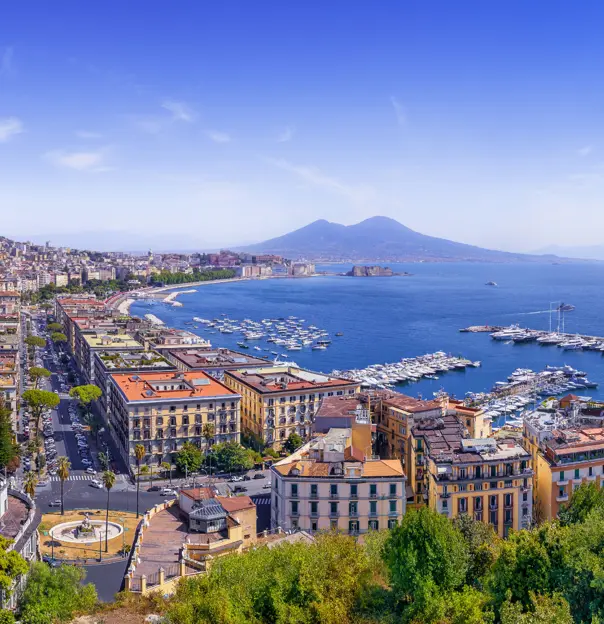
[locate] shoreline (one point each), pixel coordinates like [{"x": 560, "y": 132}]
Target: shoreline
[{"x": 122, "y": 304}]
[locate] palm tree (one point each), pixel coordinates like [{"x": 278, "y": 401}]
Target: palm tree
[
  {"x": 63, "y": 472},
  {"x": 31, "y": 480},
  {"x": 208, "y": 431},
  {"x": 167, "y": 467},
  {"x": 108, "y": 481},
  {"x": 139, "y": 453}
]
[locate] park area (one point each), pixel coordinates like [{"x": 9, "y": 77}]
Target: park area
[{"x": 77, "y": 535}]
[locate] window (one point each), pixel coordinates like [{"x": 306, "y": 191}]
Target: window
[
  {"x": 333, "y": 490},
  {"x": 463, "y": 505},
  {"x": 462, "y": 473},
  {"x": 185, "y": 420},
  {"x": 313, "y": 525},
  {"x": 354, "y": 493},
  {"x": 561, "y": 492},
  {"x": 393, "y": 489},
  {"x": 392, "y": 509},
  {"x": 591, "y": 471},
  {"x": 314, "y": 508},
  {"x": 493, "y": 517},
  {"x": 373, "y": 508},
  {"x": 493, "y": 502},
  {"x": 445, "y": 504},
  {"x": 374, "y": 525},
  {"x": 392, "y": 523},
  {"x": 493, "y": 471},
  {"x": 313, "y": 490},
  {"x": 478, "y": 471},
  {"x": 353, "y": 526},
  {"x": 333, "y": 525},
  {"x": 333, "y": 509},
  {"x": 508, "y": 500},
  {"x": 577, "y": 473},
  {"x": 294, "y": 508},
  {"x": 372, "y": 490},
  {"x": 561, "y": 476},
  {"x": 353, "y": 508},
  {"x": 294, "y": 490}
]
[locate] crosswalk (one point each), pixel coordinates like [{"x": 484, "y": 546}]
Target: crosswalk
[
  {"x": 261, "y": 500},
  {"x": 75, "y": 478}
]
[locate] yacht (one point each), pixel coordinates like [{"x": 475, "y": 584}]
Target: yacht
[
  {"x": 574, "y": 344},
  {"x": 319, "y": 347},
  {"x": 508, "y": 333}
]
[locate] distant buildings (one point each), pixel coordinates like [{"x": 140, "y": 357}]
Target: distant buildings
[
  {"x": 334, "y": 482},
  {"x": 213, "y": 361},
  {"x": 280, "y": 400},
  {"x": 162, "y": 410}
]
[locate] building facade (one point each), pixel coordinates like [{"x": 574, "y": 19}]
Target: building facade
[{"x": 280, "y": 400}]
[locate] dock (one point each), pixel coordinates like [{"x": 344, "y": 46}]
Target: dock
[{"x": 478, "y": 329}]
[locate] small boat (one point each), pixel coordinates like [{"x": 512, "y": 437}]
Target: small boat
[
  {"x": 243, "y": 345},
  {"x": 339, "y": 334},
  {"x": 491, "y": 284},
  {"x": 319, "y": 347}
]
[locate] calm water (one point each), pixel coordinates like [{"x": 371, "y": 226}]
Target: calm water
[{"x": 385, "y": 319}]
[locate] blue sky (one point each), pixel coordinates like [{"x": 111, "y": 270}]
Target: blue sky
[{"x": 212, "y": 123}]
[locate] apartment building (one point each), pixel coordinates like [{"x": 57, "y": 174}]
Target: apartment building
[
  {"x": 341, "y": 412},
  {"x": 109, "y": 362},
  {"x": 213, "y": 361},
  {"x": 475, "y": 420},
  {"x": 280, "y": 400},
  {"x": 334, "y": 483},
  {"x": 9, "y": 382},
  {"x": 162, "y": 410},
  {"x": 164, "y": 339},
  {"x": 9, "y": 301},
  {"x": 454, "y": 474},
  {"x": 69, "y": 309},
  {"x": 394, "y": 416}
]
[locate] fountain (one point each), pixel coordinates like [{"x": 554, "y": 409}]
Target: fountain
[{"x": 85, "y": 532}]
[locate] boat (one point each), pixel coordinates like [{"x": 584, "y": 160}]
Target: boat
[
  {"x": 319, "y": 347},
  {"x": 243, "y": 345},
  {"x": 339, "y": 334},
  {"x": 491, "y": 284}
]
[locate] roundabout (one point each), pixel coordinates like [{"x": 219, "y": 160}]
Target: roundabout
[{"x": 85, "y": 532}]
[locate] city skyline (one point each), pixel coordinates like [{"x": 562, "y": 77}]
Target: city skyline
[{"x": 472, "y": 123}]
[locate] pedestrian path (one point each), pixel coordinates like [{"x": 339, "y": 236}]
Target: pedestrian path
[
  {"x": 261, "y": 500},
  {"x": 75, "y": 478}
]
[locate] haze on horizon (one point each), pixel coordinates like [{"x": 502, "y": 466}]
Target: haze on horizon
[{"x": 182, "y": 125}]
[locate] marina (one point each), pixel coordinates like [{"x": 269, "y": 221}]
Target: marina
[{"x": 428, "y": 366}]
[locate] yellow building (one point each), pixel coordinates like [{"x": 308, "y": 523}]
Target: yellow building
[
  {"x": 490, "y": 479},
  {"x": 279, "y": 400},
  {"x": 475, "y": 420}
]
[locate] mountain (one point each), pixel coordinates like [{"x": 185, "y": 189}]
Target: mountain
[
  {"x": 587, "y": 252},
  {"x": 379, "y": 238}
]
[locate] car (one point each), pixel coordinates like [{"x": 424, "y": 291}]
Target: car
[
  {"x": 154, "y": 488},
  {"x": 55, "y": 503},
  {"x": 91, "y": 471},
  {"x": 168, "y": 492},
  {"x": 96, "y": 484},
  {"x": 235, "y": 479},
  {"x": 247, "y": 478},
  {"x": 86, "y": 462},
  {"x": 259, "y": 475},
  {"x": 267, "y": 486},
  {"x": 239, "y": 488}
]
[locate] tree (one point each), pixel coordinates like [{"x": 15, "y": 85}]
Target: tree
[
  {"x": 29, "y": 484},
  {"x": 585, "y": 499},
  {"x": 12, "y": 565},
  {"x": 230, "y": 457},
  {"x": 167, "y": 467},
  {"x": 54, "y": 327},
  {"x": 86, "y": 394},
  {"x": 103, "y": 460},
  {"x": 38, "y": 372},
  {"x": 108, "y": 481},
  {"x": 483, "y": 547},
  {"x": 189, "y": 458},
  {"x": 543, "y": 609},
  {"x": 293, "y": 442},
  {"x": 425, "y": 549},
  {"x": 58, "y": 338},
  {"x": 38, "y": 401},
  {"x": 207, "y": 431},
  {"x": 139, "y": 453},
  {"x": 63, "y": 466},
  {"x": 9, "y": 450},
  {"x": 55, "y": 594},
  {"x": 35, "y": 341}
]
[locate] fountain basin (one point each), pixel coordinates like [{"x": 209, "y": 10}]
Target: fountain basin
[{"x": 72, "y": 532}]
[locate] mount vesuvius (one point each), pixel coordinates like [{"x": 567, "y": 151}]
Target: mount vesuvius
[{"x": 379, "y": 238}]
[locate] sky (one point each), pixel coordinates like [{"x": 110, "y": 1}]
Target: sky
[{"x": 189, "y": 124}]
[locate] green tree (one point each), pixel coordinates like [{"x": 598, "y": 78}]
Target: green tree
[
  {"x": 585, "y": 499},
  {"x": 35, "y": 341},
  {"x": 108, "y": 481},
  {"x": 189, "y": 458},
  {"x": 207, "y": 431},
  {"x": 29, "y": 484},
  {"x": 167, "y": 467},
  {"x": 293, "y": 442},
  {"x": 58, "y": 338},
  {"x": 55, "y": 594},
  {"x": 38, "y": 401},
  {"x": 425, "y": 549},
  {"x": 54, "y": 327},
  {"x": 9, "y": 450},
  {"x": 103, "y": 460},
  {"x": 483, "y": 547},
  {"x": 543, "y": 609},
  {"x": 12, "y": 565},
  {"x": 139, "y": 453},
  {"x": 37, "y": 373},
  {"x": 230, "y": 457},
  {"x": 86, "y": 395},
  {"x": 63, "y": 466}
]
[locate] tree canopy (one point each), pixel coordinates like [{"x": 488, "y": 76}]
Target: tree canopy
[
  {"x": 86, "y": 394},
  {"x": 9, "y": 449},
  {"x": 35, "y": 341},
  {"x": 54, "y": 327},
  {"x": 39, "y": 400},
  {"x": 189, "y": 458},
  {"x": 38, "y": 372},
  {"x": 293, "y": 442},
  {"x": 12, "y": 565},
  {"x": 230, "y": 457},
  {"x": 58, "y": 337}
]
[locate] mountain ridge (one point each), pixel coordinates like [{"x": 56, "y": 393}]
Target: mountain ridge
[{"x": 380, "y": 238}]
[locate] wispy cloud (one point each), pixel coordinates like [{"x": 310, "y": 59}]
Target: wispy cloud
[
  {"x": 10, "y": 127},
  {"x": 401, "y": 115},
  {"x": 315, "y": 177},
  {"x": 218, "y": 137},
  {"x": 86, "y": 135},
  {"x": 6, "y": 62},
  {"x": 287, "y": 134},
  {"x": 80, "y": 161},
  {"x": 585, "y": 150},
  {"x": 180, "y": 111}
]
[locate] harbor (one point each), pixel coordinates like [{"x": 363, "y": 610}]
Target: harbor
[{"x": 428, "y": 366}]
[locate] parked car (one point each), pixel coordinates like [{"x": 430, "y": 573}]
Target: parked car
[
  {"x": 168, "y": 492},
  {"x": 154, "y": 488},
  {"x": 55, "y": 503},
  {"x": 247, "y": 478},
  {"x": 239, "y": 488},
  {"x": 267, "y": 486},
  {"x": 259, "y": 475}
]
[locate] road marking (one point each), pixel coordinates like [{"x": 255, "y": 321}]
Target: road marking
[
  {"x": 75, "y": 478},
  {"x": 261, "y": 501}
]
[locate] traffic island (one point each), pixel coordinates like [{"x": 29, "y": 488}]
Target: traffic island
[{"x": 79, "y": 535}]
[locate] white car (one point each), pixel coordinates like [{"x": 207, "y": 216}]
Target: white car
[
  {"x": 168, "y": 492},
  {"x": 91, "y": 470},
  {"x": 86, "y": 462},
  {"x": 96, "y": 484}
]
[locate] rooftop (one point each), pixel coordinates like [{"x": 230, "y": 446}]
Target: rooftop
[
  {"x": 169, "y": 386},
  {"x": 216, "y": 358},
  {"x": 133, "y": 360},
  {"x": 339, "y": 406},
  {"x": 286, "y": 379},
  {"x": 576, "y": 440},
  {"x": 100, "y": 340},
  {"x": 409, "y": 404}
]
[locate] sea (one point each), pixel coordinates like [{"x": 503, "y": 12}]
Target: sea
[{"x": 384, "y": 319}]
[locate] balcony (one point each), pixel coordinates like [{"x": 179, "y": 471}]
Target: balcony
[
  {"x": 445, "y": 495},
  {"x": 373, "y": 495},
  {"x": 562, "y": 499},
  {"x": 563, "y": 483},
  {"x": 373, "y": 514},
  {"x": 334, "y": 495},
  {"x": 314, "y": 514},
  {"x": 353, "y": 513},
  {"x": 334, "y": 514},
  {"x": 591, "y": 477},
  {"x": 295, "y": 514}
]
